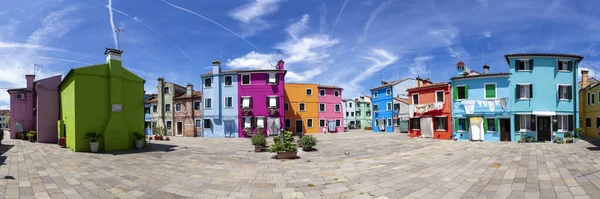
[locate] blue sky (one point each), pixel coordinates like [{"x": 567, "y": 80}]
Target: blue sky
[{"x": 353, "y": 44}]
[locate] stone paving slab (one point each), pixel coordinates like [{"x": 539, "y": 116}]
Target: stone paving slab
[{"x": 378, "y": 165}]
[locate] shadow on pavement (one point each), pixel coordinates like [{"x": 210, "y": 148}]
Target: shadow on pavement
[
  {"x": 151, "y": 147},
  {"x": 3, "y": 149}
]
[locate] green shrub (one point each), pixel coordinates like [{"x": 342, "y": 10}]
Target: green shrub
[
  {"x": 578, "y": 132},
  {"x": 308, "y": 141},
  {"x": 567, "y": 135},
  {"x": 259, "y": 140},
  {"x": 31, "y": 134},
  {"x": 288, "y": 136},
  {"x": 283, "y": 147},
  {"x": 139, "y": 136},
  {"x": 160, "y": 131},
  {"x": 93, "y": 136}
]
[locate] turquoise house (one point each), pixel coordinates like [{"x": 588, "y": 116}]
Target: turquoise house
[
  {"x": 543, "y": 97},
  {"x": 480, "y": 108}
]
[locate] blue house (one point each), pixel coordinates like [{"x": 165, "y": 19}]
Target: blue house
[
  {"x": 383, "y": 101},
  {"x": 480, "y": 108},
  {"x": 218, "y": 121},
  {"x": 148, "y": 114},
  {"x": 543, "y": 97}
]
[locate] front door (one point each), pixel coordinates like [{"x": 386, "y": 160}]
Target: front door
[
  {"x": 476, "y": 128},
  {"x": 273, "y": 125},
  {"x": 299, "y": 127},
  {"x": 544, "y": 133},
  {"x": 179, "y": 128},
  {"x": 505, "y": 130}
]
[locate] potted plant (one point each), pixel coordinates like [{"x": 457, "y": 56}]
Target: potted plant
[
  {"x": 139, "y": 139},
  {"x": 24, "y": 136},
  {"x": 158, "y": 132},
  {"x": 523, "y": 138},
  {"x": 93, "y": 137},
  {"x": 260, "y": 130},
  {"x": 308, "y": 142},
  {"x": 31, "y": 136},
  {"x": 529, "y": 139},
  {"x": 578, "y": 134},
  {"x": 248, "y": 132},
  {"x": 246, "y": 110},
  {"x": 167, "y": 139},
  {"x": 558, "y": 140},
  {"x": 286, "y": 149},
  {"x": 273, "y": 111},
  {"x": 259, "y": 141}
]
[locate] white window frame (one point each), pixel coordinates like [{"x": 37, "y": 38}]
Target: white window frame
[
  {"x": 527, "y": 66},
  {"x": 565, "y": 118},
  {"x": 246, "y": 119},
  {"x": 436, "y": 97},
  {"x": 524, "y": 117},
  {"x": 286, "y": 106},
  {"x": 495, "y": 90},
  {"x": 207, "y": 79},
  {"x": 524, "y": 84},
  {"x": 196, "y": 122},
  {"x": 413, "y": 98},
  {"x": 337, "y": 108},
  {"x": 301, "y": 109},
  {"x": 306, "y": 92},
  {"x": 204, "y": 124},
  {"x": 324, "y": 123},
  {"x": 284, "y": 122},
  {"x": 249, "y": 79},
  {"x": 336, "y": 123},
  {"x": 388, "y": 106},
  {"x": 458, "y": 96},
  {"x": 324, "y": 107},
  {"x": 166, "y": 90},
  {"x": 248, "y": 98},
  {"x": 324, "y": 92},
  {"x": 434, "y": 127},
  {"x": 225, "y": 102},
  {"x": 180, "y": 108},
  {"x": 312, "y": 124},
  {"x": 388, "y": 92},
  {"x": 199, "y": 105},
  {"x": 565, "y": 99},
  {"x": 375, "y": 94},
  {"x": 22, "y": 96},
  {"x": 260, "y": 124},
  {"x": 336, "y": 93},
  {"x": 561, "y": 61},
  {"x": 270, "y": 105},
  {"x": 274, "y": 75},
  {"x": 167, "y": 125},
  {"x": 225, "y": 82},
  {"x": 206, "y": 104}
]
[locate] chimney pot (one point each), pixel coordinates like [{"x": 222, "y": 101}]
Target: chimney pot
[
  {"x": 486, "y": 69},
  {"x": 584, "y": 78},
  {"x": 280, "y": 65}
]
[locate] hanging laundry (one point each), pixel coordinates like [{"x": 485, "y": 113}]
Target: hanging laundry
[
  {"x": 503, "y": 103},
  {"x": 485, "y": 104},
  {"x": 491, "y": 105},
  {"x": 497, "y": 102},
  {"x": 411, "y": 111},
  {"x": 422, "y": 108},
  {"x": 469, "y": 107},
  {"x": 479, "y": 103}
]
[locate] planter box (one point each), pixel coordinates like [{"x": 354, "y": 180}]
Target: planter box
[
  {"x": 287, "y": 155},
  {"x": 307, "y": 148},
  {"x": 258, "y": 148}
]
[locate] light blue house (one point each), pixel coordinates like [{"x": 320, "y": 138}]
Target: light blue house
[
  {"x": 217, "y": 120},
  {"x": 480, "y": 108},
  {"x": 148, "y": 115},
  {"x": 543, "y": 97},
  {"x": 383, "y": 103}
]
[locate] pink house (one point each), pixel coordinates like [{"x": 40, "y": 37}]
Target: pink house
[
  {"x": 260, "y": 95},
  {"x": 331, "y": 115},
  {"x": 36, "y": 108}
]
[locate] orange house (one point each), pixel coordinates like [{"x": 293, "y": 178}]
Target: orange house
[
  {"x": 301, "y": 108},
  {"x": 430, "y": 105}
]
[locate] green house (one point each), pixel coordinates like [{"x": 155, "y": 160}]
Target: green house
[{"x": 104, "y": 98}]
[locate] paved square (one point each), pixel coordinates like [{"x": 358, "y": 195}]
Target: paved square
[{"x": 379, "y": 165}]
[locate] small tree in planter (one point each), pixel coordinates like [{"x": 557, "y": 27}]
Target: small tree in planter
[
  {"x": 158, "y": 132},
  {"x": 259, "y": 141},
  {"x": 31, "y": 136},
  {"x": 578, "y": 134},
  {"x": 24, "y": 135},
  {"x": 308, "y": 142},
  {"x": 93, "y": 137},
  {"x": 568, "y": 137},
  {"x": 286, "y": 149},
  {"x": 248, "y": 132},
  {"x": 139, "y": 139}
]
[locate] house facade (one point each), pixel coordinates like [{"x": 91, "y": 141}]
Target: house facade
[
  {"x": 401, "y": 120},
  {"x": 430, "y": 110},
  {"x": 382, "y": 103},
  {"x": 589, "y": 105},
  {"x": 4, "y": 119},
  {"x": 363, "y": 112},
  {"x": 148, "y": 114},
  {"x": 331, "y": 115},
  {"x": 261, "y": 96},
  {"x": 220, "y": 119},
  {"x": 480, "y": 108},
  {"x": 165, "y": 106},
  {"x": 187, "y": 115},
  {"x": 301, "y": 107},
  {"x": 104, "y": 98},
  {"x": 349, "y": 108},
  {"x": 543, "y": 95}
]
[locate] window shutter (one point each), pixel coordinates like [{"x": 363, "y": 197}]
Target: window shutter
[
  {"x": 267, "y": 101},
  {"x": 569, "y": 92},
  {"x": 571, "y": 123},
  {"x": 517, "y": 65},
  {"x": 570, "y": 65},
  {"x": 554, "y": 124},
  {"x": 531, "y": 91},
  {"x": 533, "y": 124},
  {"x": 466, "y": 124},
  {"x": 518, "y": 91},
  {"x": 485, "y": 125},
  {"x": 531, "y": 64},
  {"x": 243, "y": 122},
  {"x": 254, "y": 120},
  {"x": 497, "y": 125},
  {"x": 277, "y": 102},
  {"x": 251, "y": 104},
  {"x": 558, "y": 92},
  {"x": 466, "y": 92},
  {"x": 277, "y": 78},
  {"x": 517, "y": 123},
  {"x": 241, "y": 102},
  {"x": 456, "y": 125}
]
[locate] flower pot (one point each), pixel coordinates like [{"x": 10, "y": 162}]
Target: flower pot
[
  {"x": 167, "y": 139},
  {"x": 139, "y": 144},
  {"x": 31, "y": 139},
  {"x": 94, "y": 147},
  {"x": 307, "y": 148},
  {"x": 258, "y": 148},
  {"x": 286, "y": 155}
]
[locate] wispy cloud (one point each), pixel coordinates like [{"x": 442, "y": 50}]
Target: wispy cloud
[
  {"x": 486, "y": 34},
  {"x": 214, "y": 22},
  {"x": 448, "y": 36},
  {"x": 49, "y": 58},
  {"x": 374, "y": 14},
  {"x": 483, "y": 3},
  {"x": 420, "y": 67},
  {"x": 297, "y": 28},
  {"x": 323, "y": 18},
  {"x": 54, "y": 25},
  {"x": 379, "y": 58},
  {"x": 253, "y": 11},
  {"x": 112, "y": 22},
  {"x": 591, "y": 50},
  {"x": 338, "y": 18},
  {"x": 29, "y": 46}
]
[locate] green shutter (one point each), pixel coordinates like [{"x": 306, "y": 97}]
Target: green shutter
[
  {"x": 518, "y": 91},
  {"x": 466, "y": 124},
  {"x": 466, "y": 92},
  {"x": 571, "y": 123},
  {"x": 497, "y": 125},
  {"x": 485, "y": 125},
  {"x": 490, "y": 91},
  {"x": 554, "y": 124},
  {"x": 456, "y": 125},
  {"x": 455, "y": 93},
  {"x": 517, "y": 123}
]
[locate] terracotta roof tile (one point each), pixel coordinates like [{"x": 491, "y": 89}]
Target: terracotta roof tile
[
  {"x": 481, "y": 75},
  {"x": 326, "y": 86},
  {"x": 439, "y": 84},
  {"x": 578, "y": 57},
  {"x": 4, "y": 112},
  {"x": 185, "y": 96}
]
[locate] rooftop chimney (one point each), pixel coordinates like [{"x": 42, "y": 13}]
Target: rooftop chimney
[
  {"x": 584, "y": 78},
  {"x": 486, "y": 69},
  {"x": 280, "y": 65},
  {"x": 189, "y": 89},
  {"x": 426, "y": 81},
  {"x": 29, "y": 79},
  {"x": 113, "y": 54},
  {"x": 460, "y": 68},
  {"x": 216, "y": 66},
  {"x": 384, "y": 82}
]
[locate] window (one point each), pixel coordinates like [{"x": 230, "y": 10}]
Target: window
[
  {"x": 322, "y": 107},
  {"x": 207, "y": 82},
  {"x": 246, "y": 79},
  {"x": 178, "y": 107},
  {"x": 388, "y": 106},
  {"x": 598, "y": 122},
  {"x": 302, "y": 107},
  {"x": 524, "y": 65},
  {"x": 376, "y": 107},
  {"x": 439, "y": 96},
  {"x": 169, "y": 124},
  {"x": 322, "y": 123},
  {"x": 197, "y": 105},
  {"x": 564, "y": 122},
  {"x": 462, "y": 124},
  {"x": 246, "y": 102},
  {"x": 167, "y": 107},
  {"x": 350, "y": 105},
  {"x": 524, "y": 91},
  {"x": 336, "y": 93},
  {"x": 347, "y": 114},
  {"x": 461, "y": 92},
  {"x": 207, "y": 123},
  {"x": 260, "y": 122},
  {"x": 247, "y": 122},
  {"x": 388, "y": 92},
  {"x": 524, "y": 122},
  {"x": 564, "y": 93},
  {"x": 146, "y": 111},
  {"x": 389, "y": 122},
  {"x": 338, "y": 123},
  {"x": 273, "y": 102},
  {"x": 308, "y": 92},
  {"x": 20, "y": 96},
  {"x": 228, "y": 102},
  {"x": 564, "y": 66},
  {"x": 593, "y": 99},
  {"x": 415, "y": 98},
  {"x": 166, "y": 89},
  {"x": 491, "y": 125},
  {"x": 440, "y": 123},
  {"x": 286, "y": 106},
  {"x": 198, "y": 123},
  {"x": 396, "y": 107},
  {"x": 228, "y": 81},
  {"x": 357, "y": 113},
  {"x": 589, "y": 99},
  {"x": 375, "y": 94},
  {"x": 351, "y": 114},
  {"x": 415, "y": 123},
  {"x": 272, "y": 78},
  {"x": 288, "y": 122},
  {"x": 309, "y": 123},
  {"x": 321, "y": 92},
  {"x": 490, "y": 91},
  {"x": 598, "y": 97},
  {"x": 338, "y": 108},
  {"x": 207, "y": 103},
  {"x": 588, "y": 121},
  {"x": 154, "y": 108}
]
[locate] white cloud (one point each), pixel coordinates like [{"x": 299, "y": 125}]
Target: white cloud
[
  {"x": 253, "y": 60},
  {"x": 112, "y": 23},
  {"x": 486, "y": 34},
  {"x": 310, "y": 49},
  {"x": 420, "y": 66},
  {"x": 55, "y": 25},
  {"x": 304, "y": 76},
  {"x": 448, "y": 36},
  {"x": 254, "y": 10},
  {"x": 295, "y": 29},
  {"x": 483, "y": 3},
  {"x": 29, "y": 46},
  {"x": 323, "y": 18},
  {"x": 379, "y": 59},
  {"x": 374, "y": 14}
]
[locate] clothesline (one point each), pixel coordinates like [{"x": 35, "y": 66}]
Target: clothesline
[
  {"x": 424, "y": 108},
  {"x": 490, "y": 103}
]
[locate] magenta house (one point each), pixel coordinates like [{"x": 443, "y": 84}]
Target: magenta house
[
  {"x": 261, "y": 95},
  {"x": 35, "y": 108},
  {"x": 331, "y": 115}
]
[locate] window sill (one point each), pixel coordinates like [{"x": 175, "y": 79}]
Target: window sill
[
  {"x": 415, "y": 129},
  {"x": 524, "y": 99},
  {"x": 228, "y": 86},
  {"x": 491, "y": 131},
  {"x": 523, "y": 70},
  {"x": 567, "y": 100},
  {"x": 441, "y": 130},
  {"x": 205, "y": 108},
  {"x": 564, "y": 71},
  {"x": 207, "y": 87},
  {"x": 524, "y": 130},
  {"x": 462, "y": 131},
  {"x": 228, "y": 107},
  {"x": 245, "y": 84}
]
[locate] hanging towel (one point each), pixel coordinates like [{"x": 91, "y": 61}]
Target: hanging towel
[
  {"x": 497, "y": 102},
  {"x": 479, "y": 103},
  {"x": 422, "y": 108},
  {"x": 411, "y": 111},
  {"x": 503, "y": 103},
  {"x": 469, "y": 107},
  {"x": 491, "y": 105},
  {"x": 485, "y": 104}
]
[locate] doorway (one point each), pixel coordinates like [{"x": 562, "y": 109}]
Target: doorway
[
  {"x": 476, "y": 126},
  {"x": 505, "y": 130},
  {"x": 179, "y": 128},
  {"x": 273, "y": 125},
  {"x": 299, "y": 127},
  {"x": 544, "y": 133}
]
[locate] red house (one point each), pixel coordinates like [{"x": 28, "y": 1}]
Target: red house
[{"x": 430, "y": 110}]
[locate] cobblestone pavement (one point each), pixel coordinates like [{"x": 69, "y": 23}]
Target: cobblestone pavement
[{"x": 378, "y": 166}]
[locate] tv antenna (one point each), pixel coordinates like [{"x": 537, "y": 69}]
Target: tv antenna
[
  {"x": 119, "y": 31},
  {"x": 483, "y": 57}
]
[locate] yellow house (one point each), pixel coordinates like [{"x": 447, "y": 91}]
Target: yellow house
[
  {"x": 589, "y": 105},
  {"x": 301, "y": 108}
]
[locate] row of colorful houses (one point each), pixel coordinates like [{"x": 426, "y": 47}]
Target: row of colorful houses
[{"x": 537, "y": 98}]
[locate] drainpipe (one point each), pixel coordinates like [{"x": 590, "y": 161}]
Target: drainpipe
[{"x": 574, "y": 100}]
